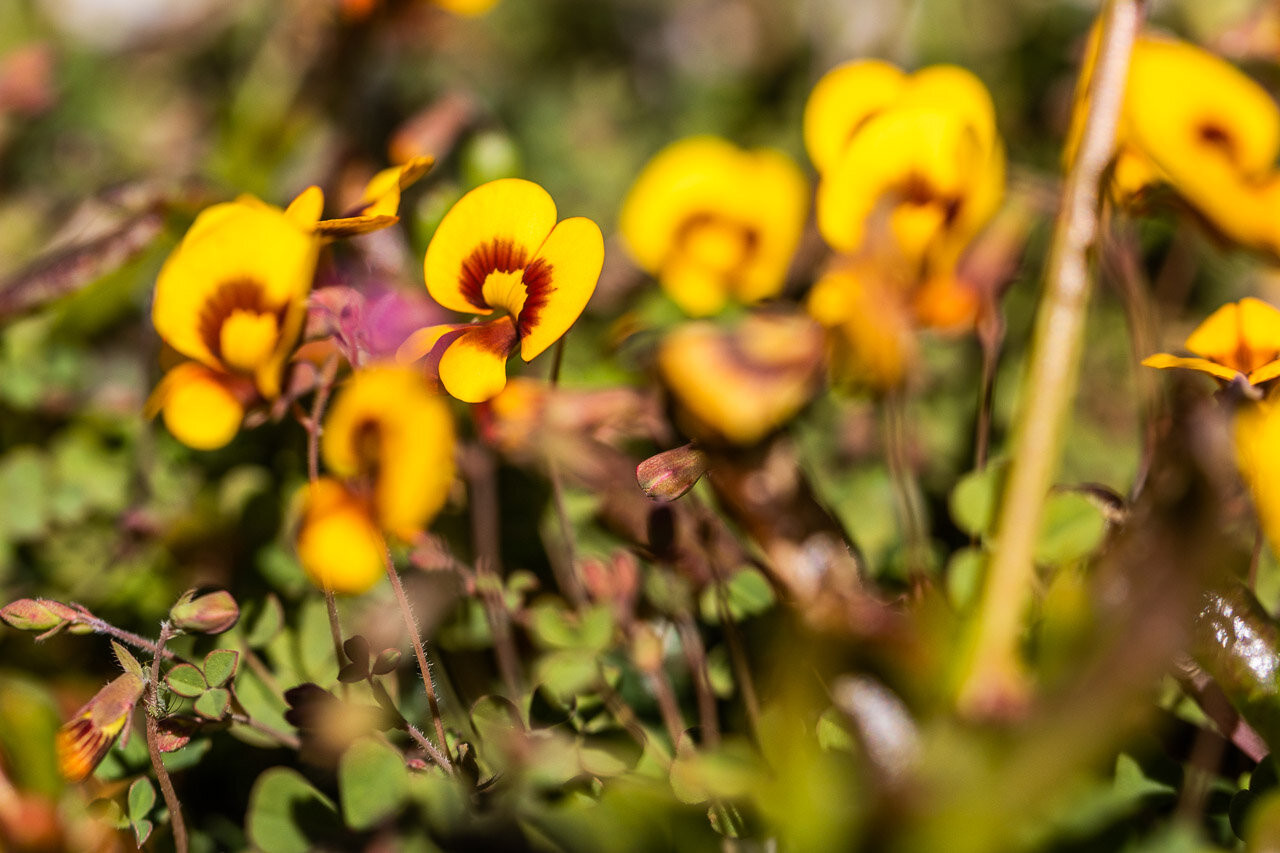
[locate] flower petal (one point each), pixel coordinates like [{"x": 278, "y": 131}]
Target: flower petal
[
  {"x": 842, "y": 101},
  {"x": 201, "y": 407},
  {"x": 240, "y": 243},
  {"x": 574, "y": 251},
  {"x": 1164, "y": 360},
  {"x": 474, "y": 367},
  {"x": 510, "y": 210},
  {"x": 339, "y": 546},
  {"x": 307, "y": 207},
  {"x": 1242, "y": 335}
]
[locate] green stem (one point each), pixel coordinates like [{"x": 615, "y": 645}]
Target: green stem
[
  {"x": 176, "y": 821},
  {"x": 992, "y": 678}
]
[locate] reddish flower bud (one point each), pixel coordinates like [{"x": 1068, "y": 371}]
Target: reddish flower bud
[
  {"x": 211, "y": 613},
  {"x": 670, "y": 474},
  {"x": 37, "y": 614}
]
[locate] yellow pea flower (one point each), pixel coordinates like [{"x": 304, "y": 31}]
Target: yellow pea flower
[
  {"x": 912, "y": 158},
  {"x": 389, "y": 440},
  {"x": 1194, "y": 122},
  {"x": 82, "y": 742},
  {"x": 501, "y": 248},
  {"x": 711, "y": 221},
  {"x": 740, "y": 385},
  {"x": 871, "y": 340},
  {"x": 378, "y": 206},
  {"x": 1239, "y": 339}
]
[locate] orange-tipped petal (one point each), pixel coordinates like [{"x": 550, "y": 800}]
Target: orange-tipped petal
[{"x": 474, "y": 367}]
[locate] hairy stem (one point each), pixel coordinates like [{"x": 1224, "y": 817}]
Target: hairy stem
[
  {"x": 992, "y": 678},
  {"x": 176, "y": 821},
  {"x": 420, "y": 651}
]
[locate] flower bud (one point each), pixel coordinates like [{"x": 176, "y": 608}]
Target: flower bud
[
  {"x": 211, "y": 613},
  {"x": 36, "y": 614},
  {"x": 670, "y": 474}
]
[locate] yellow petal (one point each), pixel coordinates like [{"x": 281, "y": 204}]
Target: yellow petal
[
  {"x": 474, "y": 367},
  {"x": 871, "y": 342},
  {"x": 910, "y": 158},
  {"x": 353, "y": 226},
  {"x": 339, "y": 546},
  {"x": 498, "y": 225},
  {"x": 245, "y": 248},
  {"x": 421, "y": 342},
  {"x": 247, "y": 339},
  {"x": 1165, "y": 360},
  {"x": 842, "y": 101},
  {"x": 382, "y": 194},
  {"x": 307, "y": 207},
  {"x": 1256, "y": 434},
  {"x": 741, "y": 385},
  {"x": 466, "y": 8},
  {"x": 707, "y": 214},
  {"x": 558, "y": 283},
  {"x": 956, "y": 91},
  {"x": 1242, "y": 335},
  {"x": 388, "y": 429},
  {"x": 201, "y": 407}
]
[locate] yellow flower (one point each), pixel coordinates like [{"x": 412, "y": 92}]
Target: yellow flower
[
  {"x": 1239, "y": 339},
  {"x": 232, "y": 297},
  {"x": 740, "y": 385},
  {"x": 391, "y": 435},
  {"x": 339, "y": 545},
  {"x": 1193, "y": 121},
  {"x": 84, "y": 740},
  {"x": 390, "y": 443},
  {"x": 500, "y": 248},
  {"x": 871, "y": 341},
  {"x": 711, "y": 221},
  {"x": 912, "y": 166}
]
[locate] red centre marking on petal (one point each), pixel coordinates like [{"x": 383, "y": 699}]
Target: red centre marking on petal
[
  {"x": 241, "y": 294},
  {"x": 538, "y": 287},
  {"x": 498, "y": 255}
]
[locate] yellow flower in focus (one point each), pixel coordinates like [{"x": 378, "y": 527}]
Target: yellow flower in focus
[
  {"x": 1239, "y": 339},
  {"x": 912, "y": 166},
  {"x": 501, "y": 248},
  {"x": 740, "y": 385},
  {"x": 1194, "y": 122},
  {"x": 389, "y": 440},
  {"x": 339, "y": 545},
  {"x": 712, "y": 221}
]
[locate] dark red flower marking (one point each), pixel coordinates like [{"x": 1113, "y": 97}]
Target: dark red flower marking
[
  {"x": 502, "y": 255},
  {"x": 242, "y": 294}
]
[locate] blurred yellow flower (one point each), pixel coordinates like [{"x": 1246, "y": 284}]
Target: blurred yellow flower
[
  {"x": 741, "y": 384},
  {"x": 500, "y": 247},
  {"x": 1194, "y": 122},
  {"x": 711, "y": 221},
  {"x": 83, "y": 741},
  {"x": 871, "y": 340},
  {"x": 911, "y": 165},
  {"x": 339, "y": 545},
  {"x": 389, "y": 440},
  {"x": 1256, "y": 435},
  {"x": 232, "y": 297},
  {"x": 1239, "y": 339}
]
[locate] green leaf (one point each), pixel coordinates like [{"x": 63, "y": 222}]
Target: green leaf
[
  {"x": 567, "y": 673},
  {"x": 964, "y": 576},
  {"x": 142, "y": 831},
  {"x": 220, "y": 665},
  {"x": 287, "y": 815},
  {"x": 595, "y": 629},
  {"x": 266, "y": 623},
  {"x": 142, "y": 796},
  {"x": 213, "y": 703},
  {"x": 128, "y": 662},
  {"x": 372, "y": 781},
  {"x": 1073, "y": 528},
  {"x": 185, "y": 680},
  {"x": 552, "y": 626},
  {"x": 974, "y": 500},
  {"x": 747, "y": 593}
]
